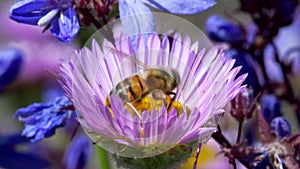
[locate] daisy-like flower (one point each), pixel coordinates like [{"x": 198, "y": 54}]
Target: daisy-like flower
[{"x": 207, "y": 83}]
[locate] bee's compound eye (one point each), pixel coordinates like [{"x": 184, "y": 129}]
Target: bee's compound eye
[
  {"x": 176, "y": 76},
  {"x": 157, "y": 99}
]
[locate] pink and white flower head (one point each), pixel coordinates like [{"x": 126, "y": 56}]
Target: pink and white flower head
[{"x": 207, "y": 83}]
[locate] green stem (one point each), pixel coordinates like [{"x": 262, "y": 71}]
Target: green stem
[{"x": 103, "y": 158}]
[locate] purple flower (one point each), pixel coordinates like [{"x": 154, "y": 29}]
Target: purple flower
[
  {"x": 281, "y": 127},
  {"x": 279, "y": 150},
  {"x": 221, "y": 30},
  {"x": 58, "y": 15},
  {"x": 13, "y": 159},
  {"x": 11, "y": 60},
  {"x": 270, "y": 106},
  {"x": 78, "y": 153},
  {"x": 273, "y": 70},
  {"x": 41, "y": 119},
  {"x": 207, "y": 84},
  {"x": 30, "y": 40},
  {"x": 136, "y": 16}
]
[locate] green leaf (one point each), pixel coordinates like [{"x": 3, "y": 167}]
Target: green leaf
[{"x": 103, "y": 158}]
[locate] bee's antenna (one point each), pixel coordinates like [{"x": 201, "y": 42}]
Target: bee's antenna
[{"x": 124, "y": 55}]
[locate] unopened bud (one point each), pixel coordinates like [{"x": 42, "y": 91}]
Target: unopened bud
[{"x": 281, "y": 127}]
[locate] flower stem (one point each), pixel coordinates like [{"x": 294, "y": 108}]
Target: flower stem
[
  {"x": 103, "y": 158},
  {"x": 220, "y": 138},
  {"x": 197, "y": 155},
  {"x": 260, "y": 58},
  {"x": 238, "y": 139}
]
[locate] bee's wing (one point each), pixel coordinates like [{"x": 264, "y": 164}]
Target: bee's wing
[{"x": 127, "y": 60}]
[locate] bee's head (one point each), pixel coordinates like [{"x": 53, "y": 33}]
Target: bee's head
[{"x": 162, "y": 78}]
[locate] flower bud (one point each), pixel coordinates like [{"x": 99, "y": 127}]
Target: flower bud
[
  {"x": 270, "y": 107},
  {"x": 281, "y": 127},
  {"x": 11, "y": 60},
  {"x": 242, "y": 106},
  {"x": 221, "y": 30}
]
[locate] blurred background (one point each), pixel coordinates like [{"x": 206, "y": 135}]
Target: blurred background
[{"x": 42, "y": 52}]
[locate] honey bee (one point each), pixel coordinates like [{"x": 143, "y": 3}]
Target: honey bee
[{"x": 157, "y": 81}]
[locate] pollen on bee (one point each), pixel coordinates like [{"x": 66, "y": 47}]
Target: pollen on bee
[
  {"x": 146, "y": 103},
  {"x": 142, "y": 132},
  {"x": 155, "y": 100},
  {"x": 177, "y": 105}
]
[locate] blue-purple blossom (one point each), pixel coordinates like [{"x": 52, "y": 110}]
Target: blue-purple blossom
[
  {"x": 136, "y": 16},
  {"x": 221, "y": 30},
  {"x": 11, "y": 60},
  {"x": 272, "y": 67},
  {"x": 11, "y": 158},
  {"x": 270, "y": 106},
  {"x": 281, "y": 127},
  {"x": 58, "y": 15},
  {"x": 41, "y": 119},
  {"x": 78, "y": 153}
]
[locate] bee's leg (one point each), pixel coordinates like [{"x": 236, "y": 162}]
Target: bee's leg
[
  {"x": 107, "y": 100},
  {"x": 138, "y": 105},
  {"x": 170, "y": 99},
  {"x": 133, "y": 110}
]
